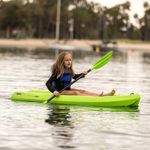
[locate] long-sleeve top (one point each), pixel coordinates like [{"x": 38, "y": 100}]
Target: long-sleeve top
[{"x": 58, "y": 84}]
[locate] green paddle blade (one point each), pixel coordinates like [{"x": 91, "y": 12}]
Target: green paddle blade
[{"x": 101, "y": 62}]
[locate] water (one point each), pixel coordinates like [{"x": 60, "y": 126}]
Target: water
[{"x": 39, "y": 127}]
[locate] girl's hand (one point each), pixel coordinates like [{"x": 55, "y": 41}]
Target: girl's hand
[
  {"x": 56, "y": 93},
  {"x": 85, "y": 72}
]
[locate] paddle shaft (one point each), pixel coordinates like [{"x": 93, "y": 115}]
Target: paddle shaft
[{"x": 81, "y": 76}]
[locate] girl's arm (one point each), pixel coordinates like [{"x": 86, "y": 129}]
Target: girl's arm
[
  {"x": 49, "y": 83},
  {"x": 77, "y": 75}
]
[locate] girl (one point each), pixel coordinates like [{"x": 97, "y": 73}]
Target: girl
[{"x": 62, "y": 74}]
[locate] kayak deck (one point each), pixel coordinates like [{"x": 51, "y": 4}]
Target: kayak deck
[{"x": 100, "y": 101}]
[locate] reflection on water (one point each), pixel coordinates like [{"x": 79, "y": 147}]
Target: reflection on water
[
  {"x": 74, "y": 127},
  {"x": 63, "y": 132},
  {"x": 146, "y": 57},
  {"x": 59, "y": 116},
  {"x": 65, "y": 122}
]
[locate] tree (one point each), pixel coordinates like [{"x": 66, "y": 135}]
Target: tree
[
  {"x": 11, "y": 16},
  {"x": 145, "y": 23},
  {"x": 117, "y": 19}
]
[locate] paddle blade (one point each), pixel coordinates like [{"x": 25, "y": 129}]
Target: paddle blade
[{"x": 101, "y": 62}]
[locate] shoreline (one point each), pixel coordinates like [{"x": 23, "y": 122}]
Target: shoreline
[{"x": 85, "y": 45}]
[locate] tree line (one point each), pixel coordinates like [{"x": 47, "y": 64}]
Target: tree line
[{"x": 79, "y": 19}]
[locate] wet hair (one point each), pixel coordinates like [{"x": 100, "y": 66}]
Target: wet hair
[{"x": 58, "y": 67}]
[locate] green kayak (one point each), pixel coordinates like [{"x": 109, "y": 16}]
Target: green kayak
[{"x": 100, "y": 101}]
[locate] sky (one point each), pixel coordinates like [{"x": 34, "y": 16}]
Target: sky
[{"x": 136, "y": 6}]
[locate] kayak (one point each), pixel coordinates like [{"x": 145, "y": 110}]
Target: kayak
[{"x": 100, "y": 101}]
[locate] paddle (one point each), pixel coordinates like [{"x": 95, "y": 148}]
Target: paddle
[{"x": 101, "y": 62}]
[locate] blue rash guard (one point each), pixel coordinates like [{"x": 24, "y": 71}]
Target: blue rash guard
[{"x": 58, "y": 84}]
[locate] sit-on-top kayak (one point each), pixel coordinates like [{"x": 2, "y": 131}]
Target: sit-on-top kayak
[{"x": 101, "y": 101}]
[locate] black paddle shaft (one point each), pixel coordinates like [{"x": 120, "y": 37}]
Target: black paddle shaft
[{"x": 81, "y": 76}]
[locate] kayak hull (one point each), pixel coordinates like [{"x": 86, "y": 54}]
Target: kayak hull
[{"x": 99, "y": 101}]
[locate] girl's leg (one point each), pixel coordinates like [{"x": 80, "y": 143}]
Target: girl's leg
[
  {"x": 86, "y": 93},
  {"x": 108, "y": 94},
  {"x": 73, "y": 92}
]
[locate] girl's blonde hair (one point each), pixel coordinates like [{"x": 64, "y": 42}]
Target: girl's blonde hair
[{"x": 58, "y": 66}]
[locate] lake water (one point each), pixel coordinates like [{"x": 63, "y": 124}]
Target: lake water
[{"x": 25, "y": 126}]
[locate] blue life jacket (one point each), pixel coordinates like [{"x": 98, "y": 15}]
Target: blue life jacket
[{"x": 66, "y": 78}]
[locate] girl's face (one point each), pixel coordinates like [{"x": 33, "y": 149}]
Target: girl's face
[{"x": 68, "y": 61}]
